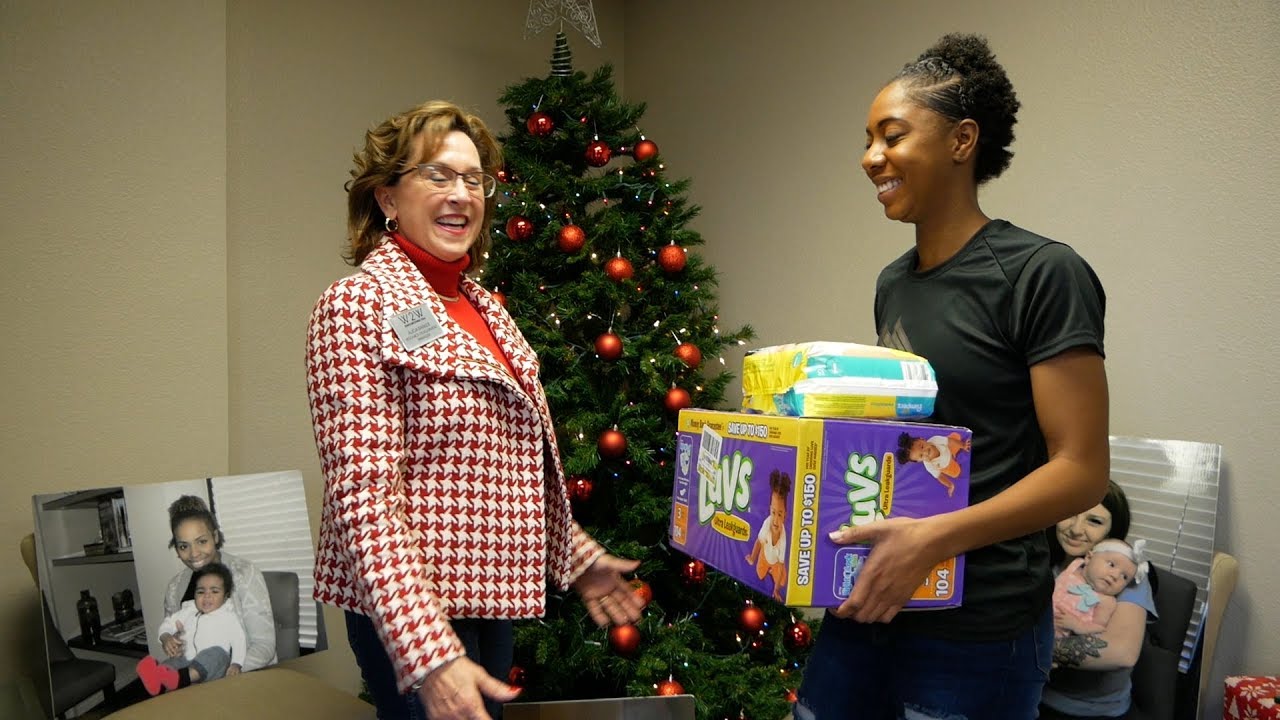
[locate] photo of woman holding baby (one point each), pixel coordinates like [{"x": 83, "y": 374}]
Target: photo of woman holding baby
[
  {"x": 1091, "y": 675},
  {"x": 197, "y": 540}
]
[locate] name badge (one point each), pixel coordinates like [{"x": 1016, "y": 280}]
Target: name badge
[{"x": 416, "y": 327}]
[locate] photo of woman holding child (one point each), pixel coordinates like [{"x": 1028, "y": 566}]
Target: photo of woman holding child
[
  {"x": 194, "y": 601},
  {"x": 1091, "y": 675}
]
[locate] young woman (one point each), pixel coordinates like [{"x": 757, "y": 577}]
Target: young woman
[
  {"x": 1092, "y": 672},
  {"x": 1013, "y": 324}
]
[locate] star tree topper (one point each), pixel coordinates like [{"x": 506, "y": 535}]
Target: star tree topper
[{"x": 579, "y": 13}]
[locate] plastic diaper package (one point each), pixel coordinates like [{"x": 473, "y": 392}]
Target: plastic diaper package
[{"x": 835, "y": 379}]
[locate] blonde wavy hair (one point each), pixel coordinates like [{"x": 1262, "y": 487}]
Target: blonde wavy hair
[{"x": 385, "y": 157}]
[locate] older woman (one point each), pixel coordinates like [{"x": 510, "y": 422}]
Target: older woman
[
  {"x": 445, "y": 506},
  {"x": 198, "y": 542},
  {"x": 1091, "y": 672}
]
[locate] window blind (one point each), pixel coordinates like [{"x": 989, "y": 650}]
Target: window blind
[
  {"x": 264, "y": 519},
  {"x": 1172, "y": 487}
]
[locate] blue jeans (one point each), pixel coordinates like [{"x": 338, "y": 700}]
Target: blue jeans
[
  {"x": 879, "y": 672},
  {"x": 489, "y": 643},
  {"x": 211, "y": 662}
]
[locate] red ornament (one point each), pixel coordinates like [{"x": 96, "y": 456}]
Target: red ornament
[
  {"x": 598, "y": 153},
  {"x": 609, "y": 346},
  {"x": 645, "y": 150},
  {"x": 519, "y": 227},
  {"x": 517, "y": 677},
  {"x": 694, "y": 572},
  {"x": 671, "y": 258},
  {"x": 503, "y": 175},
  {"x": 676, "y": 400},
  {"x": 670, "y": 687},
  {"x": 540, "y": 124},
  {"x": 624, "y": 639},
  {"x": 500, "y": 297},
  {"x": 791, "y": 696},
  {"x": 570, "y": 238},
  {"x": 612, "y": 444},
  {"x": 618, "y": 269},
  {"x": 798, "y": 636},
  {"x": 642, "y": 590},
  {"x": 751, "y": 619},
  {"x": 580, "y": 488},
  {"x": 689, "y": 354}
]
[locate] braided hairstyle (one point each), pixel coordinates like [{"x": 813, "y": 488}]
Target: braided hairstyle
[
  {"x": 959, "y": 78},
  {"x": 191, "y": 507}
]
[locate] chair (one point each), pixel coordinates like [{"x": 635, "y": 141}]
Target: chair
[
  {"x": 72, "y": 679},
  {"x": 1155, "y": 676},
  {"x": 282, "y": 588},
  {"x": 1223, "y": 574}
]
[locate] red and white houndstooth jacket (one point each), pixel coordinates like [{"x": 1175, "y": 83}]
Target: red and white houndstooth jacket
[{"x": 444, "y": 494}]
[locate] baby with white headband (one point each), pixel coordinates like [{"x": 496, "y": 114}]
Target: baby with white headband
[{"x": 1084, "y": 595}]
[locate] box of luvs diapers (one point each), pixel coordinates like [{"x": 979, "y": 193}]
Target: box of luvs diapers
[{"x": 756, "y": 495}]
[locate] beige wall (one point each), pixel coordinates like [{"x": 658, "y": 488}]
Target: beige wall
[
  {"x": 174, "y": 179},
  {"x": 174, "y": 176},
  {"x": 1146, "y": 140},
  {"x": 114, "y": 281}
]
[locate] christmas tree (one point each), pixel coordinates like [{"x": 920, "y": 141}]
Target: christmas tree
[{"x": 590, "y": 257}]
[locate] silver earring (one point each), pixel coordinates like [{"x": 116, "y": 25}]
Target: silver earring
[{"x": 391, "y": 225}]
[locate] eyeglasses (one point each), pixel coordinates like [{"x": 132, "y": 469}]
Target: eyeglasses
[{"x": 444, "y": 178}]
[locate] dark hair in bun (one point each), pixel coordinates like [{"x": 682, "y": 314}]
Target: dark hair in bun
[
  {"x": 191, "y": 507},
  {"x": 959, "y": 78}
]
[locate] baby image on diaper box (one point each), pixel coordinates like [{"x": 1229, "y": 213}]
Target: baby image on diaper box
[{"x": 755, "y": 496}]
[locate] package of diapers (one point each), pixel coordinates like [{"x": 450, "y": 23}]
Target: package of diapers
[{"x": 834, "y": 379}]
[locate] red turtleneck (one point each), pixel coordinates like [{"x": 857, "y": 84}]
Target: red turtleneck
[{"x": 444, "y": 278}]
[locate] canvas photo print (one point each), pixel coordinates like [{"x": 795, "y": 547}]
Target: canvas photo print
[{"x": 150, "y": 588}]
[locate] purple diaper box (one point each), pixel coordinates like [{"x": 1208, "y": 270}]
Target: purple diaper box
[{"x": 756, "y": 495}]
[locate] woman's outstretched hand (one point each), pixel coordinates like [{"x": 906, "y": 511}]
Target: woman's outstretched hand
[
  {"x": 454, "y": 691},
  {"x": 608, "y": 596}
]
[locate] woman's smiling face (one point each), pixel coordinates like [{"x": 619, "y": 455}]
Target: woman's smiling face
[
  {"x": 196, "y": 543},
  {"x": 1078, "y": 534}
]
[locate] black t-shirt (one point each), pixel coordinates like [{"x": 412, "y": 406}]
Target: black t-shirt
[{"x": 1006, "y": 301}]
